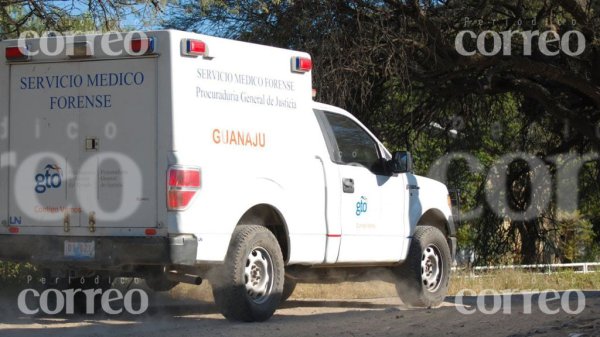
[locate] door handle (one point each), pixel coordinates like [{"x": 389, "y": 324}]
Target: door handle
[{"x": 348, "y": 185}]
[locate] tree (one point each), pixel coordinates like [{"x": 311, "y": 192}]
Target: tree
[{"x": 17, "y": 16}]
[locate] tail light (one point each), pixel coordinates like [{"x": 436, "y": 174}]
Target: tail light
[{"x": 182, "y": 185}]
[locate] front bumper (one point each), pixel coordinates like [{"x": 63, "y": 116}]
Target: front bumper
[{"x": 110, "y": 252}]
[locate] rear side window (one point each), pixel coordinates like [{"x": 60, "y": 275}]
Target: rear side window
[{"x": 354, "y": 144}]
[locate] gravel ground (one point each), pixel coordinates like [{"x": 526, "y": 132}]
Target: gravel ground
[{"x": 168, "y": 317}]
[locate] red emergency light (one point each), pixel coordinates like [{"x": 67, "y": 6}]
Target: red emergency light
[
  {"x": 142, "y": 46},
  {"x": 191, "y": 47},
  {"x": 301, "y": 64},
  {"x": 16, "y": 53}
]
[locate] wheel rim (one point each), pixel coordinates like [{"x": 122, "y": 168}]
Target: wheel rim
[
  {"x": 431, "y": 268},
  {"x": 258, "y": 275}
]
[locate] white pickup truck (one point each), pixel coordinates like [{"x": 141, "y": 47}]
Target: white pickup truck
[{"x": 179, "y": 157}]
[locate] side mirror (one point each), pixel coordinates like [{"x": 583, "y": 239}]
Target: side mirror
[{"x": 401, "y": 162}]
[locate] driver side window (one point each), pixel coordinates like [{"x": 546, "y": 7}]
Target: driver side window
[{"x": 354, "y": 144}]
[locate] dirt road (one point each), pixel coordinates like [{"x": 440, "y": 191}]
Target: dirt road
[{"x": 168, "y": 317}]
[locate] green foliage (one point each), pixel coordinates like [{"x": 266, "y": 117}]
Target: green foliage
[
  {"x": 14, "y": 273},
  {"x": 466, "y": 237},
  {"x": 575, "y": 238}
]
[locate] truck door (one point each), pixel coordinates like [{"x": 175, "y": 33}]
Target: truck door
[
  {"x": 118, "y": 144},
  {"x": 371, "y": 226},
  {"x": 41, "y": 190}
]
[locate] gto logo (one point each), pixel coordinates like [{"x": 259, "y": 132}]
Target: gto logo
[
  {"x": 503, "y": 42},
  {"x": 52, "y": 178},
  {"x": 361, "y": 206}
]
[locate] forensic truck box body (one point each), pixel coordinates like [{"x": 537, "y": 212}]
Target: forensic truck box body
[{"x": 177, "y": 156}]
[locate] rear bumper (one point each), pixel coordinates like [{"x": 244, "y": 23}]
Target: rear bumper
[{"x": 110, "y": 252}]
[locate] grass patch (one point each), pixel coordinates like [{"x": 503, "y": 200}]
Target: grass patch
[
  {"x": 346, "y": 290},
  {"x": 522, "y": 280}
]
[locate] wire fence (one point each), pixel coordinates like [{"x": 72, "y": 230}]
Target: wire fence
[{"x": 584, "y": 267}]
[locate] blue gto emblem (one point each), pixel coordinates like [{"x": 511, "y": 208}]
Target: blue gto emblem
[
  {"x": 52, "y": 178},
  {"x": 361, "y": 206}
]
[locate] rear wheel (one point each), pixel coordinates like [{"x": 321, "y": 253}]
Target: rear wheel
[
  {"x": 248, "y": 287},
  {"x": 422, "y": 280}
]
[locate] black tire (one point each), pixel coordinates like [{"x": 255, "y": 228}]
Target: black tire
[
  {"x": 422, "y": 280},
  {"x": 288, "y": 288},
  {"x": 248, "y": 286}
]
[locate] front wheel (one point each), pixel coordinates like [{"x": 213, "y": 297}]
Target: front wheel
[
  {"x": 248, "y": 286},
  {"x": 422, "y": 280}
]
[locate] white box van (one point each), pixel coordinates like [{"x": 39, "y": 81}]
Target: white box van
[{"x": 176, "y": 157}]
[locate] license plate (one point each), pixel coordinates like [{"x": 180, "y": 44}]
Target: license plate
[{"x": 80, "y": 250}]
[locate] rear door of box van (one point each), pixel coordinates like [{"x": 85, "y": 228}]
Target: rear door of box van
[{"x": 84, "y": 133}]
